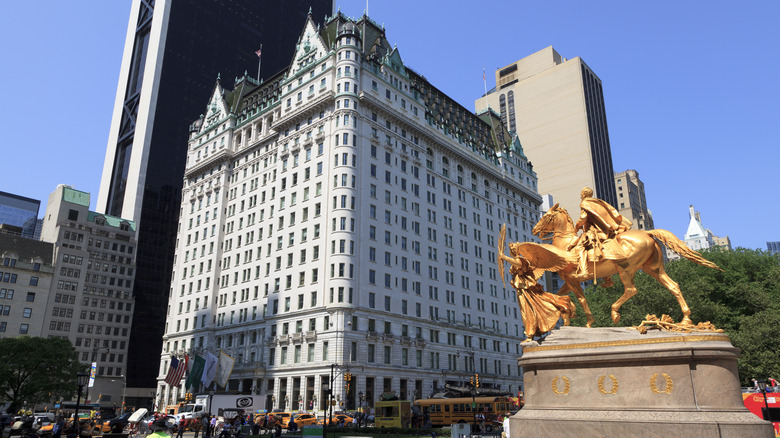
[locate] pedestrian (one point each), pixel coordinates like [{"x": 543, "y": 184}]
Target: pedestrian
[
  {"x": 86, "y": 429},
  {"x": 182, "y": 426},
  {"x": 205, "y": 426},
  {"x": 196, "y": 423},
  {"x": 256, "y": 426},
  {"x": 57, "y": 428}
]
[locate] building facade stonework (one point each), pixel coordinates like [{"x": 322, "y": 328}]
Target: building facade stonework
[{"x": 345, "y": 213}]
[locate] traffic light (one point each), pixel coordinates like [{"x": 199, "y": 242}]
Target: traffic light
[
  {"x": 471, "y": 380},
  {"x": 476, "y": 379},
  {"x": 347, "y": 377}
]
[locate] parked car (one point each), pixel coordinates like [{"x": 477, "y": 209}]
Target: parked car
[
  {"x": 337, "y": 419},
  {"x": 304, "y": 420}
]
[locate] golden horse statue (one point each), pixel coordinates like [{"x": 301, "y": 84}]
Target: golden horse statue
[{"x": 641, "y": 250}]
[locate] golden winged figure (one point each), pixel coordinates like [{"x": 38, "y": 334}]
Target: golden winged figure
[{"x": 528, "y": 261}]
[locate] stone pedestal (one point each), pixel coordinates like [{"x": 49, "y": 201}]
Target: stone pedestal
[{"x": 616, "y": 382}]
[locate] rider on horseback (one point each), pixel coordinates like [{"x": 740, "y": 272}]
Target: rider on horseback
[{"x": 600, "y": 223}]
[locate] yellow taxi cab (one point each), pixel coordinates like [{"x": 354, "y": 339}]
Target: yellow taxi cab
[
  {"x": 337, "y": 419},
  {"x": 304, "y": 420}
]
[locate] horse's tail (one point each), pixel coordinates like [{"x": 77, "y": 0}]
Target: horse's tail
[{"x": 678, "y": 246}]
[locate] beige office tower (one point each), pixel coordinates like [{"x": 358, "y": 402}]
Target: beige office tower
[
  {"x": 91, "y": 300},
  {"x": 556, "y": 108},
  {"x": 631, "y": 200}
]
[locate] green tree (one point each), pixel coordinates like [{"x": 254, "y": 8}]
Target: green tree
[
  {"x": 743, "y": 300},
  {"x": 35, "y": 370}
]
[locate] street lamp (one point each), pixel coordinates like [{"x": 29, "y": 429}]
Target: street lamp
[
  {"x": 360, "y": 401},
  {"x": 331, "y": 384},
  {"x": 211, "y": 397},
  {"x": 81, "y": 381},
  {"x": 762, "y": 388}
]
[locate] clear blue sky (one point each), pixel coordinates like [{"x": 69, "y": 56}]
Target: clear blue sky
[{"x": 692, "y": 90}]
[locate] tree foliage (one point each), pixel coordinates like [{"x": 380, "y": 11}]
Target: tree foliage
[
  {"x": 743, "y": 300},
  {"x": 35, "y": 370}
]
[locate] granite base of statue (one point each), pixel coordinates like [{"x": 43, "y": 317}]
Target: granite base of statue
[{"x": 616, "y": 382}]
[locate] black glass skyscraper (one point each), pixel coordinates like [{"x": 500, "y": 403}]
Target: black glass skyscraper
[{"x": 174, "y": 51}]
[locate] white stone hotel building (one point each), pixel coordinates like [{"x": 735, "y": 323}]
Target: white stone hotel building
[{"x": 346, "y": 212}]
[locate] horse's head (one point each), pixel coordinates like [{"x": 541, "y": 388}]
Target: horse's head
[{"x": 556, "y": 219}]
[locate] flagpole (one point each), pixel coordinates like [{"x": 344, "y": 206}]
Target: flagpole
[{"x": 259, "y": 61}]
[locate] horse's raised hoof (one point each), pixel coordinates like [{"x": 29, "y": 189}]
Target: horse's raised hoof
[{"x": 615, "y": 317}]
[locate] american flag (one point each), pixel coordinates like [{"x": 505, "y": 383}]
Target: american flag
[
  {"x": 175, "y": 372},
  {"x": 259, "y": 52}
]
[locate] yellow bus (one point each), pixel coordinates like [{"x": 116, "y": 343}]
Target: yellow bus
[
  {"x": 446, "y": 411},
  {"x": 395, "y": 413}
]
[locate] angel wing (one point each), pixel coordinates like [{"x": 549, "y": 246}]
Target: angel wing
[
  {"x": 544, "y": 257},
  {"x": 501, "y": 244}
]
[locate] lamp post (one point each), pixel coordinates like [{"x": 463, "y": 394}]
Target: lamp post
[
  {"x": 81, "y": 381},
  {"x": 762, "y": 388},
  {"x": 330, "y": 394},
  {"x": 211, "y": 397},
  {"x": 360, "y": 401}
]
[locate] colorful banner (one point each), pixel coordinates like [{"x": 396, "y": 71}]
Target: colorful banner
[
  {"x": 210, "y": 369},
  {"x": 198, "y": 364},
  {"x": 225, "y": 368},
  {"x": 92, "y": 374}
]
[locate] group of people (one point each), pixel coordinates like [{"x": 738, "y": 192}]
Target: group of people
[
  {"x": 770, "y": 383},
  {"x": 210, "y": 426}
]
